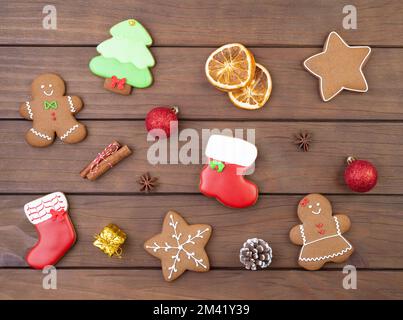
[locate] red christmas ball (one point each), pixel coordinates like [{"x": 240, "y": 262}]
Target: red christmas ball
[
  {"x": 360, "y": 175},
  {"x": 162, "y": 118}
]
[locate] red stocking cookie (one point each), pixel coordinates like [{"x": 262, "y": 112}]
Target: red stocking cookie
[
  {"x": 52, "y": 112},
  {"x": 320, "y": 233},
  {"x": 222, "y": 178},
  {"x": 54, "y": 227}
]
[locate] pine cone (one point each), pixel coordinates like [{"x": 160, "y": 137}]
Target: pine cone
[{"x": 255, "y": 253}]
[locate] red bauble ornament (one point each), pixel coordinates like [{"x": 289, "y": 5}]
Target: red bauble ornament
[
  {"x": 163, "y": 118},
  {"x": 360, "y": 175}
]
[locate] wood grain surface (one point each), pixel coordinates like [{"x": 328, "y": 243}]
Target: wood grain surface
[
  {"x": 205, "y": 23},
  {"x": 281, "y": 34},
  {"x": 280, "y": 167},
  {"x": 377, "y": 226},
  {"x": 179, "y": 79},
  {"x": 218, "y": 284}
]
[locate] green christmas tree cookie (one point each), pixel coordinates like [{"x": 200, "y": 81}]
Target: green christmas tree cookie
[{"x": 125, "y": 58}]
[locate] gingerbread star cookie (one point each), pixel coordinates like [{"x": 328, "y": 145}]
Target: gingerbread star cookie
[
  {"x": 339, "y": 67},
  {"x": 180, "y": 246}
]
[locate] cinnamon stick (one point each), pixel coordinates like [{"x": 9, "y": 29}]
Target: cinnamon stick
[
  {"x": 93, "y": 171},
  {"x": 87, "y": 169}
]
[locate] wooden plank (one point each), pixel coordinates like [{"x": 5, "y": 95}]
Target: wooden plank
[
  {"x": 206, "y": 23},
  {"x": 217, "y": 284},
  {"x": 180, "y": 80},
  {"x": 376, "y": 231},
  {"x": 280, "y": 167}
]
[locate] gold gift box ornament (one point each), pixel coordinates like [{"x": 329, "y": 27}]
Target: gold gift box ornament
[{"x": 110, "y": 240}]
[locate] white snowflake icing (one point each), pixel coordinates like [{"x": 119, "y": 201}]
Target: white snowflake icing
[{"x": 180, "y": 247}]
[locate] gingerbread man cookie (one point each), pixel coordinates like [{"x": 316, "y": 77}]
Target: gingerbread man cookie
[
  {"x": 320, "y": 233},
  {"x": 52, "y": 112}
]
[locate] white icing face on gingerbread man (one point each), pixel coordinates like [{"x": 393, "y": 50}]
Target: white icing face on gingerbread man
[
  {"x": 46, "y": 86},
  {"x": 314, "y": 205},
  {"x": 50, "y": 88}
]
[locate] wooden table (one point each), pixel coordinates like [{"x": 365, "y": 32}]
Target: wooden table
[{"x": 281, "y": 34}]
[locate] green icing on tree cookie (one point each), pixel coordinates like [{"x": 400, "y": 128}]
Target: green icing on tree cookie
[
  {"x": 126, "y": 55},
  {"x": 106, "y": 68},
  {"x": 133, "y": 30}
]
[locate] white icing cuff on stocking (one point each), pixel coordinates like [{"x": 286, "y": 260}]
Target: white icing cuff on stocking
[
  {"x": 232, "y": 150},
  {"x": 38, "y": 210}
]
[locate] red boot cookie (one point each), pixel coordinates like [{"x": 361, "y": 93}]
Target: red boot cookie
[
  {"x": 54, "y": 227},
  {"x": 223, "y": 178}
]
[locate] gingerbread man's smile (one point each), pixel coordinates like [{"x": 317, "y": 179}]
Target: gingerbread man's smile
[
  {"x": 319, "y": 209},
  {"x": 47, "y": 93},
  {"x": 316, "y": 212}
]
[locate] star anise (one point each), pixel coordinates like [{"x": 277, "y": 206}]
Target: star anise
[
  {"x": 147, "y": 182},
  {"x": 303, "y": 140}
]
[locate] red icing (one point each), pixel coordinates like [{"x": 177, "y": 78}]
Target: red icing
[
  {"x": 120, "y": 83},
  {"x": 56, "y": 237},
  {"x": 304, "y": 202},
  {"x": 319, "y": 226},
  {"x": 58, "y": 214},
  {"x": 228, "y": 187}
]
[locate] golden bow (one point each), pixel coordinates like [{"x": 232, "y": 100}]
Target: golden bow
[{"x": 110, "y": 239}]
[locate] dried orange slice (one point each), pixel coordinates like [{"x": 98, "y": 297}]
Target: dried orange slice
[
  {"x": 230, "y": 67},
  {"x": 255, "y": 94}
]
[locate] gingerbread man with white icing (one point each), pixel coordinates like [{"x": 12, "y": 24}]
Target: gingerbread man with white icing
[
  {"x": 52, "y": 113},
  {"x": 320, "y": 233}
]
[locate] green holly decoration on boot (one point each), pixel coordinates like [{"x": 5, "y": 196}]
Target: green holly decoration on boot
[
  {"x": 126, "y": 57},
  {"x": 217, "y": 165}
]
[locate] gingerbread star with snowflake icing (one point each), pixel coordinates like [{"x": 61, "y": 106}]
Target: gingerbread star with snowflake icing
[
  {"x": 339, "y": 67},
  {"x": 180, "y": 246}
]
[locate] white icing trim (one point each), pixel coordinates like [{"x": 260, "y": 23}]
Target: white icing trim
[
  {"x": 41, "y": 135},
  {"x": 38, "y": 210},
  {"x": 320, "y": 239},
  {"x": 330, "y": 256},
  {"x": 301, "y": 229},
  {"x": 31, "y": 115},
  {"x": 323, "y": 52},
  {"x": 68, "y": 132},
  {"x": 337, "y": 225},
  {"x": 232, "y": 150},
  {"x": 72, "y": 109}
]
